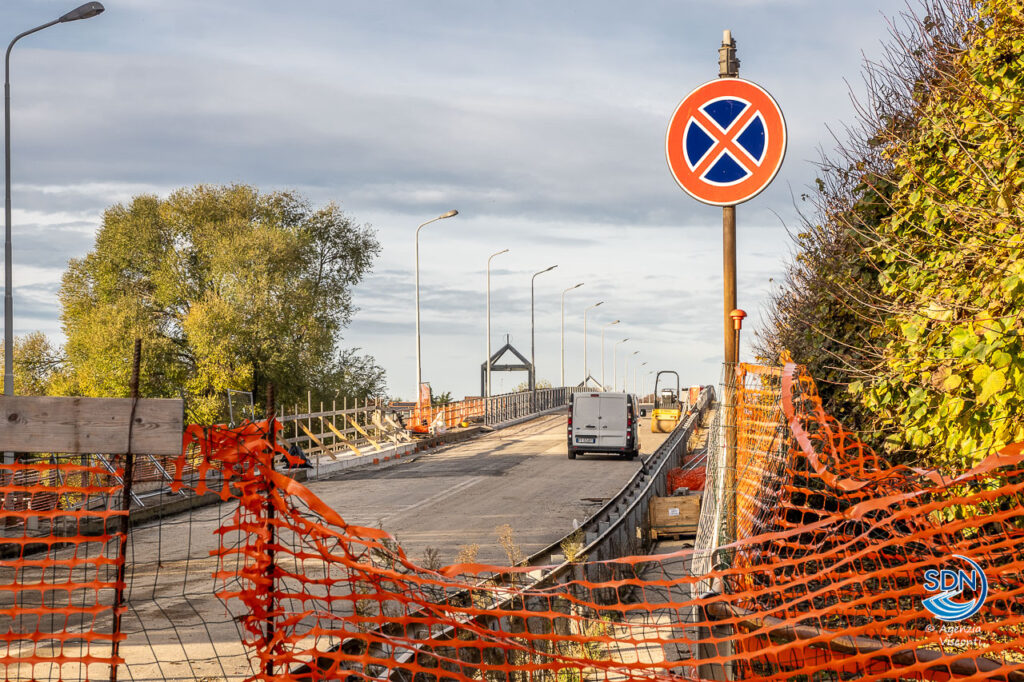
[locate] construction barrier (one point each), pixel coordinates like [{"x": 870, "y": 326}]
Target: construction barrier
[
  {"x": 59, "y": 561},
  {"x": 841, "y": 566}
]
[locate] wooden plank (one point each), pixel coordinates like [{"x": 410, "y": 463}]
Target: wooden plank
[
  {"x": 344, "y": 440},
  {"x": 382, "y": 430},
  {"x": 83, "y": 426},
  {"x": 361, "y": 430},
  {"x": 399, "y": 429},
  {"x": 324, "y": 448}
]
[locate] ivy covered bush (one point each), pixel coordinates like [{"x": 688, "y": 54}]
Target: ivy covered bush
[{"x": 914, "y": 246}]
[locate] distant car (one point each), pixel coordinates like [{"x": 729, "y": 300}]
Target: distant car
[{"x": 603, "y": 422}]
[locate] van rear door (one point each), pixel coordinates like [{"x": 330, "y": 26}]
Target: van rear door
[
  {"x": 613, "y": 421},
  {"x": 586, "y": 419}
]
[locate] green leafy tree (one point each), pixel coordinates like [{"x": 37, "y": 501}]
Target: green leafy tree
[
  {"x": 38, "y": 364},
  {"x": 823, "y": 312},
  {"x": 441, "y": 399},
  {"x": 525, "y": 386},
  {"x": 228, "y": 288}
]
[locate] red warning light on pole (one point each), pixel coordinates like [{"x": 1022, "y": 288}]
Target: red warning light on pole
[{"x": 726, "y": 141}]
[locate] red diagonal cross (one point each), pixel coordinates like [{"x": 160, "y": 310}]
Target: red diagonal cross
[{"x": 724, "y": 140}]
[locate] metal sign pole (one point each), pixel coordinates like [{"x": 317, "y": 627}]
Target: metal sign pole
[
  {"x": 725, "y": 143},
  {"x": 729, "y": 67}
]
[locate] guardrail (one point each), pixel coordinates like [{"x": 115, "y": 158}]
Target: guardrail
[{"x": 611, "y": 532}]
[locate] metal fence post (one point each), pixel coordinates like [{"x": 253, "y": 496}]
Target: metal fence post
[
  {"x": 271, "y": 438},
  {"x": 126, "y": 503}
]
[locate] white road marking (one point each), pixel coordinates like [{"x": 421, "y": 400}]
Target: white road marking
[{"x": 435, "y": 498}]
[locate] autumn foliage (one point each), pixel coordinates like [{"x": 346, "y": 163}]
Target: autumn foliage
[{"x": 914, "y": 250}]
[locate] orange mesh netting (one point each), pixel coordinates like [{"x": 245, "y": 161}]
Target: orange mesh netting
[
  {"x": 826, "y": 579},
  {"x": 691, "y": 479},
  {"x": 828, "y": 575},
  {"x": 58, "y": 568}
]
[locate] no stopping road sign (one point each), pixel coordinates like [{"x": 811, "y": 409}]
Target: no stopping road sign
[{"x": 726, "y": 141}]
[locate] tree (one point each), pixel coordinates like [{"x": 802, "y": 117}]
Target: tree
[
  {"x": 228, "y": 288},
  {"x": 952, "y": 380},
  {"x": 525, "y": 386},
  {"x": 441, "y": 399},
  {"x": 37, "y": 364}
]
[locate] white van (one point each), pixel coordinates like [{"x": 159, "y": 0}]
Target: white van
[{"x": 604, "y": 422}]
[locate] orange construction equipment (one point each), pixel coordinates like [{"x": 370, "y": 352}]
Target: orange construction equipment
[{"x": 428, "y": 418}]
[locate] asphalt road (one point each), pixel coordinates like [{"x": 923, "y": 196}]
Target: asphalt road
[
  {"x": 448, "y": 499},
  {"x": 460, "y": 496}
]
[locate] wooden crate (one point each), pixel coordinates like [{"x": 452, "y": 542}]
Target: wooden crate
[{"x": 674, "y": 516}]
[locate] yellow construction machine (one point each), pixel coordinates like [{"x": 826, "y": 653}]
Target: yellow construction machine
[{"x": 668, "y": 406}]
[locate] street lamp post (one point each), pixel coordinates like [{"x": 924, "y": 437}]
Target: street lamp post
[
  {"x": 563, "y": 328},
  {"x": 533, "y": 344},
  {"x": 649, "y": 373},
  {"x": 625, "y": 369},
  {"x": 489, "y": 259},
  {"x": 615, "y": 365},
  {"x": 586, "y": 366},
  {"x": 604, "y": 386},
  {"x": 87, "y": 10},
  {"x": 419, "y": 367},
  {"x": 635, "y": 368}
]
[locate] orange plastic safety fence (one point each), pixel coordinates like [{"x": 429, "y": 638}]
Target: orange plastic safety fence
[
  {"x": 692, "y": 478},
  {"x": 836, "y": 572},
  {"x": 760, "y": 446},
  {"x": 58, "y": 568},
  {"x": 427, "y": 417},
  {"x": 827, "y": 580}
]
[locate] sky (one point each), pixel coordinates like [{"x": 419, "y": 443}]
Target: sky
[{"x": 542, "y": 123}]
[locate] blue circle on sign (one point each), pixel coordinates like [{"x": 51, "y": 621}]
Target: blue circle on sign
[{"x": 736, "y": 161}]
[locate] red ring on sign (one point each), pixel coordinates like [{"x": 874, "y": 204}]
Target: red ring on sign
[{"x": 761, "y": 174}]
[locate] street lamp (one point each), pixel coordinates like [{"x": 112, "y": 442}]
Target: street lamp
[
  {"x": 586, "y": 366},
  {"x": 604, "y": 386},
  {"x": 655, "y": 398},
  {"x": 489, "y": 259},
  {"x": 533, "y": 346},
  {"x": 635, "y": 367},
  {"x": 419, "y": 368},
  {"x": 625, "y": 369},
  {"x": 86, "y": 11},
  {"x": 615, "y": 365},
  {"x": 563, "y": 328}
]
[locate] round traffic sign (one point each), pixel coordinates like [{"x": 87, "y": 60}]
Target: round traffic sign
[{"x": 726, "y": 141}]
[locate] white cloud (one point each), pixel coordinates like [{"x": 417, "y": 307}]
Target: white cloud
[{"x": 542, "y": 123}]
